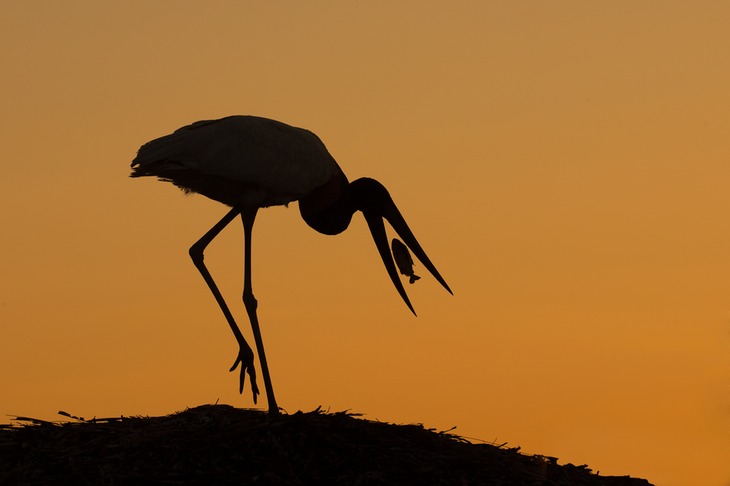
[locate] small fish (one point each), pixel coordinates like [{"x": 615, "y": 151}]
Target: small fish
[{"x": 403, "y": 259}]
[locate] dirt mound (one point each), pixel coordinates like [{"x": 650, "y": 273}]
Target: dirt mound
[{"x": 221, "y": 445}]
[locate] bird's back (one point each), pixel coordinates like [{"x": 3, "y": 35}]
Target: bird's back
[{"x": 284, "y": 161}]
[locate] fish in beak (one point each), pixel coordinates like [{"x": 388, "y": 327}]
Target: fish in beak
[{"x": 403, "y": 260}]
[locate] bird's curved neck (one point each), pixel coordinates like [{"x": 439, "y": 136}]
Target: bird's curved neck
[{"x": 329, "y": 208}]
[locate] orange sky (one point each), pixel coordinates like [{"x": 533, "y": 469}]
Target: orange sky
[{"x": 564, "y": 164}]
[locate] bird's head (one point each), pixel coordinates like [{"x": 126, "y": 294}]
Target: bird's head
[
  {"x": 372, "y": 198},
  {"x": 330, "y": 207}
]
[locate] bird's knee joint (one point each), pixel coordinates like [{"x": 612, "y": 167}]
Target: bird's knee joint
[
  {"x": 249, "y": 300},
  {"x": 196, "y": 253}
]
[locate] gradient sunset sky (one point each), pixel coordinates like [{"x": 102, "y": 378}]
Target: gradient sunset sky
[{"x": 566, "y": 166}]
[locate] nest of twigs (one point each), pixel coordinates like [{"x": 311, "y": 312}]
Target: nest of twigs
[{"x": 221, "y": 445}]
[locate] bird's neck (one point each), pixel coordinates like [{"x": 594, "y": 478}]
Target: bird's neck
[{"x": 328, "y": 209}]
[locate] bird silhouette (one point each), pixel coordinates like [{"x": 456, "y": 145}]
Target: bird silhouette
[{"x": 248, "y": 163}]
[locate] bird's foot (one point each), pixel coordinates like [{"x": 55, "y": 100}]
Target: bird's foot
[{"x": 245, "y": 359}]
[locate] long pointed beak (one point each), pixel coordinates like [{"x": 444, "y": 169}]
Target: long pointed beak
[{"x": 377, "y": 229}]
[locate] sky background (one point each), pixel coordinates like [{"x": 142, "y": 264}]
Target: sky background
[{"x": 564, "y": 164}]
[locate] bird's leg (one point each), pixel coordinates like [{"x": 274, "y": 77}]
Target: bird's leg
[
  {"x": 245, "y": 355},
  {"x": 248, "y": 216}
]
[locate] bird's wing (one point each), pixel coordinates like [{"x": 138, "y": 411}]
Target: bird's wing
[{"x": 271, "y": 154}]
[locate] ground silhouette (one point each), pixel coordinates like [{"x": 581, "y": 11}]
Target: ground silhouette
[{"x": 222, "y": 445}]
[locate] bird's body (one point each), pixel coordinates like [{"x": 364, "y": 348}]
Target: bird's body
[
  {"x": 249, "y": 163},
  {"x": 274, "y": 162}
]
